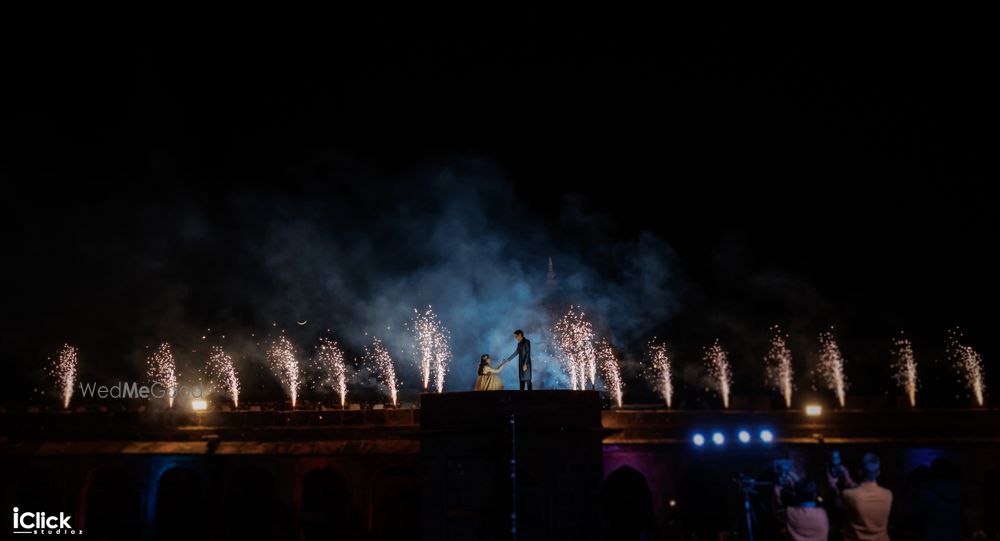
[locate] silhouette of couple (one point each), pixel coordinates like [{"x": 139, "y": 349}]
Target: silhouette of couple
[{"x": 488, "y": 378}]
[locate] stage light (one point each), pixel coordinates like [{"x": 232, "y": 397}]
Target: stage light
[
  {"x": 744, "y": 436},
  {"x": 199, "y": 405},
  {"x": 814, "y": 410},
  {"x": 698, "y": 440},
  {"x": 718, "y": 438},
  {"x": 766, "y": 436}
]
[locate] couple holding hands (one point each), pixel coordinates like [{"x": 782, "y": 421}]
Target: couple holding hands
[{"x": 488, "y": 378}]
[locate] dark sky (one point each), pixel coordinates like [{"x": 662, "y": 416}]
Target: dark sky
[{"x": 826, "y": 173}]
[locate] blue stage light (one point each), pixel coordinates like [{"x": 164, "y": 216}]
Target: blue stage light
[
  {"x": 744, "y": 436},
  {"x": 698, "y": 440},
  {"x": 766, "y": 436},
  {"x": 718, "y": 438}
]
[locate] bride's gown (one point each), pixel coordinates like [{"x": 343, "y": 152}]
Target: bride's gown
[{"x": 489, "y": 379}]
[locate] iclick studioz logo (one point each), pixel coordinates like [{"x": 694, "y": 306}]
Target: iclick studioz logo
[{"x": 40, "y": 523}]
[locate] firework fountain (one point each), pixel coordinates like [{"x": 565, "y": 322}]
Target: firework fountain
[
  {"x": 659, "y": 372},
  {"x": 717, "y": 361},
  {"x": 64, "y": 371},
  {"x": 831, "y": 367},
  {"x": 424, "y": 341},
  {"x": 611, "y": 371},
  {"x": 904, "y": 366},
  {"x": 222, "y": 371},
  {"x": 380, "y": 362},
  {"x": 575, "y": 337},
  {"x": 779, "y": 366},
  {"x": 281, "y": 357},
  {"x": 331, "y": 360},
  {"x": 431, "y": 340},
  {"x": 161, "y": 368},
  {"x": 969, "y": 363},
  {"x": 572, "y": 369}
]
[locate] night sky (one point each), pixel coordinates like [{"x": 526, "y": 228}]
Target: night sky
[{"x": 833, "y": 174}]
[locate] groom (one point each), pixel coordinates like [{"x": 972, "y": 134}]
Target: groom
[{"x": 523, "y": 359}]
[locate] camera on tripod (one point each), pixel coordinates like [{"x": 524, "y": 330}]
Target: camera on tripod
[{"x": 748, "y": 484}]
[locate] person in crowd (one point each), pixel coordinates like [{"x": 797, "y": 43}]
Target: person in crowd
[
  {"x": 804, "y": 519},
  {"x": 935, "y": 507},
  {"x": 866, "y": 505}
]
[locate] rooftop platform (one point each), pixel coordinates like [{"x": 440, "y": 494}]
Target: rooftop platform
[{"x": 540, "y": 410}]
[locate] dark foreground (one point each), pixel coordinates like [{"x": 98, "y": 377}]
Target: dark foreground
[{"x": 444, "y": 471}]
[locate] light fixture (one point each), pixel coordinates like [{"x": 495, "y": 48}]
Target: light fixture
[
  {"x": 814, "y": 410},
  {"x": 698, "y": 440},
  {"x": 744, "y": 436},
  {"x": 718, "y": 438},
  {"x": 199, "y": 405},
  {"x": 766, "y": 436}
]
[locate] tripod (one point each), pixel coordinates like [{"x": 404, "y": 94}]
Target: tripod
[{"x": 748, "y": 486}]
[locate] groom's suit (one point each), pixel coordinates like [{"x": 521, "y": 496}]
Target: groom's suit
[
  {"x": 523, "y": 362},
  {"x": 524, "y": 358}
]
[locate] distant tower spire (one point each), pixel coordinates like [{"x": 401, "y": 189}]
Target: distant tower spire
[{"x": 551, "y": 278}]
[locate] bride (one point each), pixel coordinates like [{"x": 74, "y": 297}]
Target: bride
[{"x": 489, "y": 377}]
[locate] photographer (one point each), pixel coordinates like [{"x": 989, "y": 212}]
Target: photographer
[
  {"x": 784, "y": 483},
  {"x": 866, "y": 505}
]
